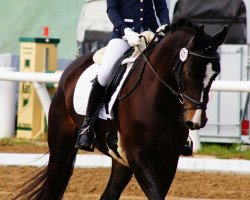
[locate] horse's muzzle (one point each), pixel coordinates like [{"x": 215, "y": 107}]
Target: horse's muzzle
[
  {"x": 195, "y": 119},
  {"x": 194, "y": 126}
]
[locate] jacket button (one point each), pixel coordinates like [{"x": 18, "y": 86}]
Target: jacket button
[
  {"x": 141, "y": 19},
  {"x": 141, "y": 9},
  {"x": 141, "y": 1}
]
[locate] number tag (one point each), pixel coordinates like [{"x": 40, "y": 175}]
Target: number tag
[{"x": 183, "y": 54}]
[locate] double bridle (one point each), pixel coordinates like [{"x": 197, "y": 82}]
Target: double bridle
[{"x": 178, "y": 68}]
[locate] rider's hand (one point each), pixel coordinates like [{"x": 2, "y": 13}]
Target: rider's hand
[
  {"x": 161, "y": 28},
  {"x": 132, "y": 37}
]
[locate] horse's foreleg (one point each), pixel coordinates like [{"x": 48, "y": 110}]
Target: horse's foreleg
[
  {"x": 119, "y": 178},
  {"x": 147, "y": 177}
]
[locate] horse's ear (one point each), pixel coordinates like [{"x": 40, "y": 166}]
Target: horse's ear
[
  {"x": 199, "y": 35},
  {"x": 219, "y": 38},
  {"x": 201, "y": 29}
]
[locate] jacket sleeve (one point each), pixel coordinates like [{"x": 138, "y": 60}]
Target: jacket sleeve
[
  {"x": 114, "y": 15},
  {"x": 162, "y": 11}
]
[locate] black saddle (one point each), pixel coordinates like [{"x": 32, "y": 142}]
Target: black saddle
[{"x": 116, "y": 76}]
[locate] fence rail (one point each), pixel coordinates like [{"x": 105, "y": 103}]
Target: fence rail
[
  {"x": 222, "y": 86},
  {"x": 39, "y": 80},
  {"x": 30, "y": 77}
]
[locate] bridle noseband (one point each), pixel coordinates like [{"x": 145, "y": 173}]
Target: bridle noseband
[{"x": 178, "y": 68}]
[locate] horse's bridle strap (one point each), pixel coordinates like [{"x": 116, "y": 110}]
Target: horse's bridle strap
[
  {"x": 159, "y": 78},
  {"x": 179, "y": 94},
  {"x": 202, "y": 56}
]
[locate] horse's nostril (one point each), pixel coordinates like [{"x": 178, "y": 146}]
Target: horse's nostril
[
  {"x": 196, "y": 126},
  {"x": 189, "y": 124}
]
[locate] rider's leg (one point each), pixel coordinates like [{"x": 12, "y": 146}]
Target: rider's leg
[
  {"x": 115, "y": 49},
  {"x": 86, "y": 138}
]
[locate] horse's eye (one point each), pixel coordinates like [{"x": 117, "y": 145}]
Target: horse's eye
[{"x": 190, "y": 74}]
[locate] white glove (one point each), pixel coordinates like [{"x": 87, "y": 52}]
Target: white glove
[
  {"x": 132, "y": 37},
  {"x": 161, "y": 28}
]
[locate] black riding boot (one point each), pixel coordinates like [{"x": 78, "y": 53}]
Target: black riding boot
[{"x": 86, "y": 138}]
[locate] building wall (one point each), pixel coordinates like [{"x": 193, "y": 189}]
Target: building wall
[{"x": 26, "y": 18}]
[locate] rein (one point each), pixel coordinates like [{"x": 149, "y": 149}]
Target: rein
[
  {"x": 184, "y": 52},
  {"x": 180, "y": 94}
]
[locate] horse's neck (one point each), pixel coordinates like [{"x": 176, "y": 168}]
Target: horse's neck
[
  {"x": 163, "y": 58},
  {"x": 165, "y": 55}
]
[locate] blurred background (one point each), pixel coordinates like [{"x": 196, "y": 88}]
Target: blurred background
[{"x": 76, "y": 27}]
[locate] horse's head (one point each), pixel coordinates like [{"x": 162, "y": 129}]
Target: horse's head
[{"x": 198, "y": 66}]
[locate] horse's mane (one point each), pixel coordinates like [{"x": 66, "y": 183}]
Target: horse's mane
[
  {"x": 176, "y": 25},
  {"x": 183, "y": 24}
]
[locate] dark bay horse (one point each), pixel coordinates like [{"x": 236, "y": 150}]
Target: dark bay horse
[{"x": 152, "y": 122}]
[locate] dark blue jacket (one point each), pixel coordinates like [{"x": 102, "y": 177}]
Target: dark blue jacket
[{"x": 136, "y": 14}]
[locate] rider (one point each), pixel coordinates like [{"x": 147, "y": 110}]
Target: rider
[{"x": 129, "y": 17}]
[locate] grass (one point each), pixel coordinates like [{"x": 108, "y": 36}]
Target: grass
[
  {"x": 234, "y": 151},
  {"x": 222, "y": 151},
  {"x": 23, "y": 142}
]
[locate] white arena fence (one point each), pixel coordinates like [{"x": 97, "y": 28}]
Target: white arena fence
[
  {"x": 40, "y": 79},
  {"x": 235, "y": 166}
]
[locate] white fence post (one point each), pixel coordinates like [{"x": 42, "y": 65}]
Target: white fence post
[
  {"x": 7, "y": 105},
  {"x": 44, "y": 97},
  {"x": 194, "y": 135},
  {"x": 38, "y": 79}
]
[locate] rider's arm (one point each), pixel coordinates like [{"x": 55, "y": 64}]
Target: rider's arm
[
  {"x": 114, "y": 15},
  {"x": 162, "y": 11}
]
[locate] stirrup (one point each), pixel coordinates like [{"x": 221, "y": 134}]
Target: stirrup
[
  {"x": 85, "y": 130},
  {"x": 86, "y": 139}
]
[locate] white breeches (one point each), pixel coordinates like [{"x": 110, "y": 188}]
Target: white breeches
[{"x": 115, "y": 49}]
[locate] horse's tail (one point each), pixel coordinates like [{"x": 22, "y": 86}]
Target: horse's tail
[
  {"x": 51, "y": 182},
  {"x": 33, "y": 187},
  {"x": 38, "y": 187}
]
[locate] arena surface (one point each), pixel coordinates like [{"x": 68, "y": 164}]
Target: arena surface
[{"x": 88, "y": 184}]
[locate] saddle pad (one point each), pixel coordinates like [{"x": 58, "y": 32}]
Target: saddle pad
[
  {"x": 84, "y": 84},
  {"x": 83, "y": 87}
]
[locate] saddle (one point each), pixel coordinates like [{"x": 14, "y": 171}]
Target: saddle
[
  {"x": 117, "y": 78},
  {"x": 120, "y": 67}
]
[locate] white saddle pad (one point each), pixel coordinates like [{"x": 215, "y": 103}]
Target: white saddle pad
[
  {"x": 84, "y": 84},
  {"x": 83, "y": 87}
]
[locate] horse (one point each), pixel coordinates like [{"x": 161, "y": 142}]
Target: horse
[{"x": 165, "y": 95}]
